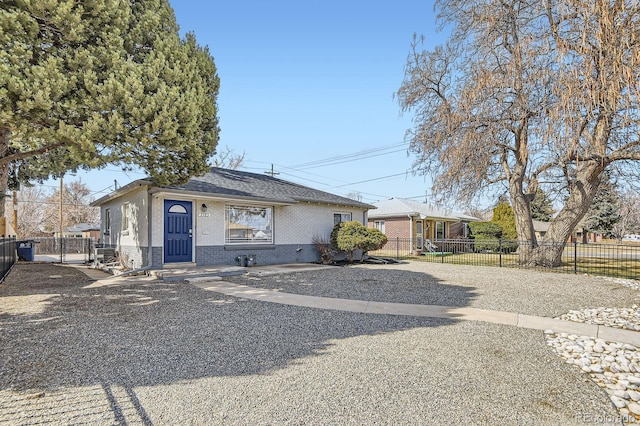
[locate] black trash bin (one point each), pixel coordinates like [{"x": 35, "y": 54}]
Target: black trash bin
[{"x": 25, "y": 251}]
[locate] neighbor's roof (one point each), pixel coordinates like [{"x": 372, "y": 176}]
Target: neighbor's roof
[
  {"x": 540, "y": 226},
  {"x": 82, "y": 227},
  {"x": 239, "y": 185},
  {"x": 395, "y": 207}
]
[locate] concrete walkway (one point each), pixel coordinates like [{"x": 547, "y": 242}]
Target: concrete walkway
[{"x": 387, "y": 308}]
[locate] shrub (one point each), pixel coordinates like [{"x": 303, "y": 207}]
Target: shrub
[
  {"x": 504, "y": 216},
  {"x": 486, "y": 230},
  {"x": 486, "y": 235},
  {"x": 351, "y": 236},
  {"x": 323, "y": 248}
]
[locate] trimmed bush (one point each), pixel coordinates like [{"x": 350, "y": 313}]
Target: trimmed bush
[
  {"x": 352, "y": 236},
  {"x": 486, "y": 229},
  {"x": 486, "y": 235}
]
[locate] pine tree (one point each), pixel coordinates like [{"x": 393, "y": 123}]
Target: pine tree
[
  {"x": 604, "y": 212},
  {"x": 84, "y": 84},
  {"x": 541, "y": 207}
]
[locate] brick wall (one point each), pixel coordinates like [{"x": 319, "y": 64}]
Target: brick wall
[
  {"x": 397, "y": 230},
  {"x": 135, "y": 257},
  {"x": 266, "y": 255},
  {"x": 395, "y": 227}
]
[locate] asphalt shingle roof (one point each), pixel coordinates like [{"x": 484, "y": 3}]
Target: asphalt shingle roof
[
  {"x": 394, "y": 207},
  {"x": 245, "y": 185}
]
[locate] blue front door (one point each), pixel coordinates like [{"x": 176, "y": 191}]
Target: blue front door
[{"x": 178, "y": 231}]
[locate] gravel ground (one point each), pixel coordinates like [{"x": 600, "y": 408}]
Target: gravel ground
[
  {"x": 139, "y": 351},
  {"x": 501, "y": 289}
]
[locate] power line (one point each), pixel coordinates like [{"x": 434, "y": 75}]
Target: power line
[
  {"x": 324, "y": 184},
  {"x": 371, "y": 180},
  {"x": 346, "y": 158}
]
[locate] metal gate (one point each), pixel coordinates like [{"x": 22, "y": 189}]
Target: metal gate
[{"x": 64, "y": 250}]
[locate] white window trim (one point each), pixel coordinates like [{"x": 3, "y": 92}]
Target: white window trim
[
  {"x": 230, "y": 242},
  {"x": 126, "y": 208},
  {"x": 107, "y": 221},
  {"x": 342, "y": 216}
]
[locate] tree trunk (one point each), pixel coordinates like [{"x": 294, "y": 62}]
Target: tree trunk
[
  {"x": 582, "y": 192},
  {"x": 521, "y": 208},
  {"x": 527, "y": 241},
  {"x": 4, "y": 167}
]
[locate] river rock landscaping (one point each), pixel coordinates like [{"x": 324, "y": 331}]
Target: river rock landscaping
[{"x": 613, "y": 366}]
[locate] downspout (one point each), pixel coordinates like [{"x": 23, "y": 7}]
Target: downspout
[{"x": 149, "y": 228}]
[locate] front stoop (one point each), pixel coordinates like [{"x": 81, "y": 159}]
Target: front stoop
[{"x": 184, "y": 271}]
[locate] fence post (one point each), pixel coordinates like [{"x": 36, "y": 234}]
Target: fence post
[
  {"x": 397, "y": 247},
  {"x": 575, "y": 256},
  {"x": 500, "y": 250}
]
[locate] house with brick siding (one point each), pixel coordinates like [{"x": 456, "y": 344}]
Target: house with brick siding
[
  {"x": 226, "y": 217},
  {"x": 403, "y": 219}
]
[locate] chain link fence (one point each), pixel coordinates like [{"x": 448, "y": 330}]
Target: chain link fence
[{"x": 64, "y": 250}]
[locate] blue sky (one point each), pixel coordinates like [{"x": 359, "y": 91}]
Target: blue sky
[{"x": 305, "y": 81}]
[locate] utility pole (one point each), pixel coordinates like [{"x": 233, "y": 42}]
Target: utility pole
[
  {"x": 61, "y": 189},
  {"x": 15, "y": 211},
  {"x": 272, "y": 172}
]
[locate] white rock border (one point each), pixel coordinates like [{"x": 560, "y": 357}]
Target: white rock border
[{"x": 613, "y": 366}]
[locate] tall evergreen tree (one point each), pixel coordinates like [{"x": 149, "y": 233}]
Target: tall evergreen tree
[
  {"x": 604, "y": 212},
  {"x": 541, "y": 207},
  {"x": 86, "y": 83}
]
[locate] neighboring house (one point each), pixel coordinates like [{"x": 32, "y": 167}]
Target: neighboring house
[
  {"x": 580, "y": 234},
  {"x": 221, "y": 217},
  {"x": 540, "y": 228},
  {"x": 585, "y": 236},
  {"x": 408, "y": 219}
]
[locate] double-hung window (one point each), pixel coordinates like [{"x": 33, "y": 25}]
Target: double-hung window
[
  {"x": 125, "y": 217},
  {"x": 379, "y": 225},
  {"x": 107, "y": 221},
  {"x": 248, "y": 225}
]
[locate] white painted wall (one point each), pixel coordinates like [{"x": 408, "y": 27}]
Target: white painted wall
[
  {"x": 299, "y": 223},
  {"x": 136, "y": 234},
  {"x": 294, "y": 224}
]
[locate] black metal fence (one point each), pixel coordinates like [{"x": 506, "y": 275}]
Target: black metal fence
[
  {"x": 66, "y": 250},
  {"x": 614, "y": 260},
  {"x": 7, "y": 255}
]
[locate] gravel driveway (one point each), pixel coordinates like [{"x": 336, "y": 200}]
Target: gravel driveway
[
  {"x": 139, "y": 351},
  {"x": 501, "y": 289}
]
